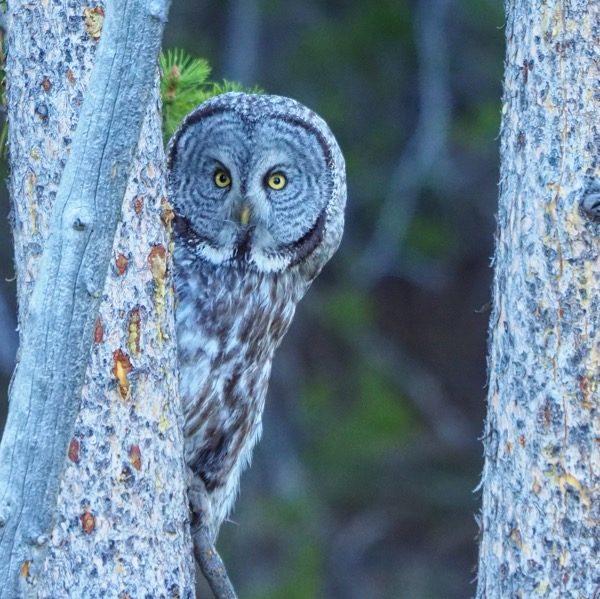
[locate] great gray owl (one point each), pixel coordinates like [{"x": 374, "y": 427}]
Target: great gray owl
[{"x": 258, "y": 187}]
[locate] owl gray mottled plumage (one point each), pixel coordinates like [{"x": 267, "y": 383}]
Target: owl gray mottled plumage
[{"x": 258, "y": 187}]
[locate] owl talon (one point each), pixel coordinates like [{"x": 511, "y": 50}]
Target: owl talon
[{"x": 198, "y": 497}]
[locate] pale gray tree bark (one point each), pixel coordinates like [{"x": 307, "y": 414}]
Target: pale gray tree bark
[
  {"x": 92, "y": 482},
  {"x": 540, "y": 524}
]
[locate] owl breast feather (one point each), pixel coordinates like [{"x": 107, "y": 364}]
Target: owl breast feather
[{"x": 230, "y": 320}]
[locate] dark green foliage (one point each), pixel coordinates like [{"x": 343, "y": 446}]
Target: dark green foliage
[
  {"x": 372, "y": 419},
  {"x": 348, "y": 310},
  {"x": 305, "y": 567},
  {"x": 478, "y": 125},
  {"x": 428, "y": 237}
]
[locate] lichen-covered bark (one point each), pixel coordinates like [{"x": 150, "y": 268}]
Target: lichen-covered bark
[
  {"x": 122, "y": 508},
  {"x": 121, "y": 520},
  {"x": 541, "y": 482},
  {"x": 49, "y": 62}
]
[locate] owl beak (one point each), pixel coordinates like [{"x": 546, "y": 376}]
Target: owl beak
[{"x": 245, "y": 215}]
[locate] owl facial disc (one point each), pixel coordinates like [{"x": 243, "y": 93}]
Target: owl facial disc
[{"x": 252, "y": 177}]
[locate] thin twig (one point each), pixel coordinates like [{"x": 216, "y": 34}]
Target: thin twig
[{"x": 212, "y": 565}]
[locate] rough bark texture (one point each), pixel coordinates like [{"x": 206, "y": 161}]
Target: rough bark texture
[
  {"x": 120, "y": 527},
  {"x": 541, "y": 481}
]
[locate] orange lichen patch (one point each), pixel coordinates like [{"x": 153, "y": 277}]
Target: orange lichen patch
[
  {"x": 135, "y": 457},
  {"x": 88, "y": 522},
  {"x": 126, "y": 477},
  {"x": 568, "y": 480},
  {"x": 515, "y": 537},
  {"x": 121, "y": 368},
  {"x": 163, "y": 423},
  {"x": 122, "y": 263},
  {"x": 46, "y": 85},
  {"x": 587, "y": 386},
  {"x": 522, "y": 441},
  {"x": 25, "y": 569},
  {"x": 94, "y": 19},
  {"x": 547, "y": 416},
  {"x": 584, "y": 383},
  {"x": 134, "y": 329},
  {"x": 29, "y": 192},
  {"x": 167, "y": 214},
  {"x": 508, "y": 447},
  {"x": 99, "y": 331},
  {"x": 70, "y": 77},
  {"x": 73, "y": 452},
  {"x": 525, "y": 72},
  {"x": 138, "y": 204},
  {"x": 30, "y": 184},
  {"x": 157, "y": 260}
]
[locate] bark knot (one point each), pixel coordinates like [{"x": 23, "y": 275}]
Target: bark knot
[
  {"x": 590, "y": 205},
  {"x": 79, "y": 225}
]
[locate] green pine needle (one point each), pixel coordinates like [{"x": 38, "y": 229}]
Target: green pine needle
[
  {"x": 184, "y": 85},
  {"x": 182, "y": 80}
]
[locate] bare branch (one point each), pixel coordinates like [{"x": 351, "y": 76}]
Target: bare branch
[{"x": 212, "y": 565}]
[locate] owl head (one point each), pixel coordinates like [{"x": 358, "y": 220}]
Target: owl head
[{"x": 257, "y": 181}]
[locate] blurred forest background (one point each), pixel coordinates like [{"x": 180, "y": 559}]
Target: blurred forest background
[{"x": 362, "y": 487}]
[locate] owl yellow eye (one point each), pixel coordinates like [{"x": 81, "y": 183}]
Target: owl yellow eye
[
  {"x": 222, "y": 178},
  {"x": 277, "y": 181}
]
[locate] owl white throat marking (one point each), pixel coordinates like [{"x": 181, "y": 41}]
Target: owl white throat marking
[{"x": 258, "y": 186}]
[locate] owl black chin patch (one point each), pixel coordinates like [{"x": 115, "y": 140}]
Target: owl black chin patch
[
  {"x": 296, "y": 252},
  {"x": 242, "y": 248}
]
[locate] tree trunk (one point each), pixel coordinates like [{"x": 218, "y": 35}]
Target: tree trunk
[
  {"x": 541, "y": 480},
  {"x": 120, "y": 526}
]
